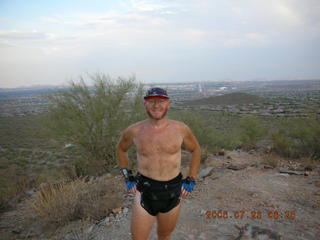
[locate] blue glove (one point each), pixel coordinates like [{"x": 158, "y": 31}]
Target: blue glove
[
  {"x": 131, "y": 183},
  {"x": 130, "y": 180},
  {"x": 188, "y": 184}
]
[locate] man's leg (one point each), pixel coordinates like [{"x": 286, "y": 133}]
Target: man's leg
[
  {"x": 167, "y": 223},
  {"x": 141, "y": 222}
]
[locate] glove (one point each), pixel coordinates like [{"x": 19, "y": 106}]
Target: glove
[
  {"x": 130, "y": 180},
  {"x": 188, "y": 184},
  {"x": 131, "y": 183}
]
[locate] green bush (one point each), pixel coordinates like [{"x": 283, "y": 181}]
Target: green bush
[
  {"x": 13, "y": 182},
  {"x": 298, "y": 137},
  {"x": 93, "y": 117},
  {"x": 251, "y": 130},
  {"x": 211, "y": 133}
]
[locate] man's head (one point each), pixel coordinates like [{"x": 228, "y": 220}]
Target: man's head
[{"x": 157, "y": 103}]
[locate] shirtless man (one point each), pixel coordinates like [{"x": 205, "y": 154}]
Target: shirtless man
[{"x": 158, "y": 186}]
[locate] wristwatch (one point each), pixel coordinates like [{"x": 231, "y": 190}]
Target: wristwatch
[{"x": 126, "y": 173}]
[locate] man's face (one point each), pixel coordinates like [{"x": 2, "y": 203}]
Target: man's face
[{"x": 157, "y": 107}]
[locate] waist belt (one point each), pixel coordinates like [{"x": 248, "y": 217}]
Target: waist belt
[{"x": 159, "y": 190}]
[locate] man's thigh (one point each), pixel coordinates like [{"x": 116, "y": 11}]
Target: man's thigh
[
  {"x": 168, "y": 221},
  {"x": 142, "y": 221}
]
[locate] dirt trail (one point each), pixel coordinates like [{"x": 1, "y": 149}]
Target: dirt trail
[{"x": 251, "y": 195}]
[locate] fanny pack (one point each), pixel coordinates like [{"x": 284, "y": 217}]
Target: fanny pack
[{"x": 159, "y": 190}]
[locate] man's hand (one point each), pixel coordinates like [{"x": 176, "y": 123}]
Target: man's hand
[
  {"x": 131, "y": 185},
  {"x": 187, "y": 186},
  {"x": 130, "y": 180}
]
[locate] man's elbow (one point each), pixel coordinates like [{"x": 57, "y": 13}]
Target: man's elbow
[
  {"x": 119, "y": 149},
  {"x": 196, "y": 149}
]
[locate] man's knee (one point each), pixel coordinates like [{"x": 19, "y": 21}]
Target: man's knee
[{"x": 164, "y": 234}]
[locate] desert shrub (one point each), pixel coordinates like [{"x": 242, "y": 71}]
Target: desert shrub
[
  {"x": 251, "y": 130},
  {"x": 13, "y": 186},
  {"x": 298, "y": 137},
  {"x": 77, "y": 199},
  {"x": 210, "y": 132},
  {"x": 271, "y": 160},
  {"x": 92, "y": 118},
  {"x": 282, "y": 144},
  {"x": 57, "y": 202},
  {"x": 197, "y": 123}
]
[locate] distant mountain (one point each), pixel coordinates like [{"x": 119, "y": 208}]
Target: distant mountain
[
  {"x": 228, "y": 99},
  {"x": 32, "y": 88},
  {"x": 6, "y": 92}
]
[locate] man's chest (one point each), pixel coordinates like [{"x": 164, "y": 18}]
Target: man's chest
[{"x": 150, "y": 142}]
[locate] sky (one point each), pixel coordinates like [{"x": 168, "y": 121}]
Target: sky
[{"x": 46, "y": 42}]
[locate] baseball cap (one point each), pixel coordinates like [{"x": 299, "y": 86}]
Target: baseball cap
[{"x": 156, "y": 92}]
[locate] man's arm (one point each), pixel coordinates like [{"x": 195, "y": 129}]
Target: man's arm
[
  {"x": 125, "y": 142},
  {"x": 193, "y": 146}
]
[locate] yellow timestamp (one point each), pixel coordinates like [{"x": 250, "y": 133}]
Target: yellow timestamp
[{"x": 253, "y": 214}]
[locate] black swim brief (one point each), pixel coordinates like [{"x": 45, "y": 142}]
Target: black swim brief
[{"x": 159, "y": 196}]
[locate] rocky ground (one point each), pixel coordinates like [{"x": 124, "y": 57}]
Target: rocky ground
[{"x": 239, "y": 196}]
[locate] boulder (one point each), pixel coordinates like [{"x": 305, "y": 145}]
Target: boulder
[{"x": 205, "y": 172}]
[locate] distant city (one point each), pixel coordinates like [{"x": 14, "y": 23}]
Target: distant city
[{"x": 281, "y": 98}]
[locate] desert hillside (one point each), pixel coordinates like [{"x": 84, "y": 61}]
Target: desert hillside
[{"x": 238, "y": 194}]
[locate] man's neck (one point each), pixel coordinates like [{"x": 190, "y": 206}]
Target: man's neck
[{"x": 158, "y": 123}]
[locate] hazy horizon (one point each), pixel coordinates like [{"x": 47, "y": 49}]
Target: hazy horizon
[{"x": 52, "y": 42}]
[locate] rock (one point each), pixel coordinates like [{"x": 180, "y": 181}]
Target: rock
[
  {"x": 297, "y": 168},
  {"x": 311, "y": 173},
  {"x": 68, "y": 145},
  {"x": 236, "y": 167},
  {"x": 267, "y": 167},
  {"x": 116, "y": 210},
  {"x": 252, "y": 151},
  {"x": 125, "y": 210},
  {"x": 254, "y": 194},
  {"x": 205, "y": 172},
  {"x": 255, "y": 232},
  {"x": 89, "y": 230},
  {"x": 221, "y": 152},
  {"x": 292, "y": 172},
  {"x": 31, "y": 192}
]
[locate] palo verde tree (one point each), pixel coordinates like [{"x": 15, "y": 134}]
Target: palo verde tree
[{"x": 93, "y": 117}]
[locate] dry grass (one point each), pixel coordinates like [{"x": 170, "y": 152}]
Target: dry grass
[
  {"x": 57, "y": 201},
  {"x": 13, "y": 187},
  {"x": 77, "y": 199},
  {"x": 271, "y": 160},
  {"x": 310, "y": 163}
]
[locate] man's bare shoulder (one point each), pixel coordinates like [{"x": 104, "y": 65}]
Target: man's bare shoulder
[
  {"x": 180, "y": 125},
  {"x": 135, "y": 127}
]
